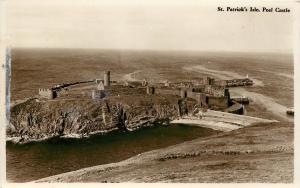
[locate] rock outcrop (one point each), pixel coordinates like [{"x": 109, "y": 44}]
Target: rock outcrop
[{"x": 37, "y": 119}]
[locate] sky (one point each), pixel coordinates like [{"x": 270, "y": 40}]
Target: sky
[{"x": 163, "y": 25}]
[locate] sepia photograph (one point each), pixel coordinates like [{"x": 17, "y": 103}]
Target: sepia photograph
[{"x": 149, "y": 92}]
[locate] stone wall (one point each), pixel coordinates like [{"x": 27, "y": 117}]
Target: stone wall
[
  {"x": 201, "y": 98},
  {"x": 167, "y": 91},
  {"x": 217, "y": 102},
  {"x": 218, "y": 91},
  {"x": 239, "y": 82},
  {"x": 220, "y": 82},
  {"x": 214, "y": 97}
]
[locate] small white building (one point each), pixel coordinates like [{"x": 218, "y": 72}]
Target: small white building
[{"x": 100, "y": 86}]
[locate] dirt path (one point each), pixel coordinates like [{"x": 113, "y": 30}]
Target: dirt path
[{"x": 265, "y": 101}]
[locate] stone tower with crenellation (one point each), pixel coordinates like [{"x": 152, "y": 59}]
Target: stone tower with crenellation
[{"x": 106, "y": 78}]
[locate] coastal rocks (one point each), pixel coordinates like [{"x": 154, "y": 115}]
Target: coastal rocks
[{"x": 39, "y": 120}]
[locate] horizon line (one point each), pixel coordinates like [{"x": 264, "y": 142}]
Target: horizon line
[{"x": 158, "y": 50}]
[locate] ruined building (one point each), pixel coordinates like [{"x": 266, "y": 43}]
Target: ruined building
[
  {"x": 47, "y": 93},
  {"x": 98, "y": 94},
  {"x": 213, "y": 96},
  {"x": 100, "y": 86},
  {"x": 206, "y": 94},
  {"x": 150, "y": 90},
  {"x": 208, "y": 81}
]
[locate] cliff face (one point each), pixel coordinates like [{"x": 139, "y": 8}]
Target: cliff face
[{"x": 40, "y": 119}]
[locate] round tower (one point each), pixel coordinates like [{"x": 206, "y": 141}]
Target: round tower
[{"x": 106, "y": 78}]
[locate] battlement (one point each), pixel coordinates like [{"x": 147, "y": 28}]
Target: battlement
[
  {"x": 214, "y": 90},
  {"x": 216, "y": 97},
  {"x": 47, "y": 93},
  {"x": 239, "y": 82}
]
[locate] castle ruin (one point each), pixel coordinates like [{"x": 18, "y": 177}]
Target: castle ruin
[
  {"x": 208, "y": 92},
  {"x": 47, "y": 93}
]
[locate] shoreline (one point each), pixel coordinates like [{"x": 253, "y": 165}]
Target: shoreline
[
  {"x": 16, "y": 140},
  {"x": 238, "y": 145},
  {"x": 223, "y": 121},
  {"x": 215, "y": 120}
]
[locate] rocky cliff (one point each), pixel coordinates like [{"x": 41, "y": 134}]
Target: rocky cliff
[{"x": 37, "y": 119}]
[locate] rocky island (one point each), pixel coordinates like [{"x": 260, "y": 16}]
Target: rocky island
[{"x": 99, "y": 106}]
